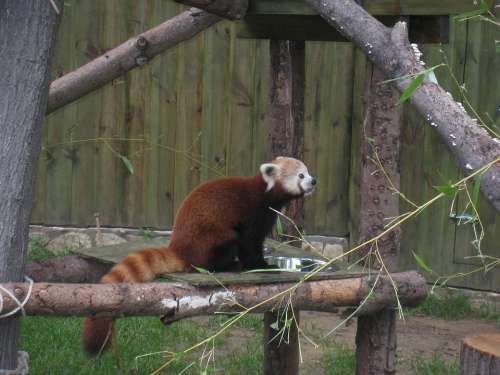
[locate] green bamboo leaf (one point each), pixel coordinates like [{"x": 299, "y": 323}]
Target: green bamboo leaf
[
  {"x": 475, "y": 191},
  {"x": 201, "y": 270},
  {"x": 446, "y": 189},
  {"x": 415, "y": 84},
  {"x": 421, "y": 263},
  {"x": 128, "y": 164},
  {"x": 279, "y": 227}
]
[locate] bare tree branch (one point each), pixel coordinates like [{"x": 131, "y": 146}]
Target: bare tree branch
[
  {"x": 67, "y": 269},
  {"x": 232, "y": 9},
  {"x": 390, "y": 50},
  {"x": 135, "y": 52},
  {"x": 178, "y": 300}
]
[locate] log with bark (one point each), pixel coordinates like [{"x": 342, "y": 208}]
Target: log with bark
[
  {"x": 133, "y": 53},
  {"x": 390, "y": 50},
  {"x": 480, "y": 355},
  {"x": 180, "y": 300},
  {"x": 67, "y": 269}
]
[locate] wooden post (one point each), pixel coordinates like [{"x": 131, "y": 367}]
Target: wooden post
[
  {"x": 285, "y": 138},
  {"x": 376, "y": 334},
  {"x": 27, "y": 34}
]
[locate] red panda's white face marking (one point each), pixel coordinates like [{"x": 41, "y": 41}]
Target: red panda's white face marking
[{"x": 290, "y": 173}]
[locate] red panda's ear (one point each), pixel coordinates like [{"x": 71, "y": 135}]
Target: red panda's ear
[{"x": 269, "y": 173}]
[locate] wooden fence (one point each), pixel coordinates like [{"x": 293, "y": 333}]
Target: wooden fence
[{"x": 199, "y": 112}]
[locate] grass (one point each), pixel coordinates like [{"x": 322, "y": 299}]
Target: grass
[
  {"x": 37, "y": 250},
  {"x": 55, "y": 348},
  {"x": 433, "y": 366},
  {"x": 54, "y": 345},
  {"x": 450, "y": 307},
  {"x": 251, "y": 322},
  {"x": 455, "y": 306},
  {"x": 338, "y": 360}
]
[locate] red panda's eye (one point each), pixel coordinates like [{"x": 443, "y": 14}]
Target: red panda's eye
[{"x": 301, "y": 175}]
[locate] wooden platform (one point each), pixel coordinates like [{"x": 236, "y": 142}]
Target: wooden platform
[{"x": 115, "y": 253}]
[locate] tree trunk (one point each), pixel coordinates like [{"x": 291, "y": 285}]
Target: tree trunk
[
  {"x": 27, "y": 35},
  {"x": 286, "y": 138},
  {"x": 480, "y": 355},
  {"x": 390, "y": 50},
  {"x": 376, "y": 334},
  {"x": 281, "y": 348}
]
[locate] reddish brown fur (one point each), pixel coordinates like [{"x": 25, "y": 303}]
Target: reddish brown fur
[{"x": 219, "y": 221}]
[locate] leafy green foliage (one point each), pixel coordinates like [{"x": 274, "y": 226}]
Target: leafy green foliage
[
  {"x": 146, "y": 233},
  {"x": 37, "y": 250},
  {"x": 448, "y": 189}
]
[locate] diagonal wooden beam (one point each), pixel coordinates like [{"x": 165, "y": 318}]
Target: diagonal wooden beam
[
  {"x": 390, "y": 50},
  {"x": 131, "y": 54}
]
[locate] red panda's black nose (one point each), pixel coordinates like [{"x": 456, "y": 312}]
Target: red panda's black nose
[{"x": 313, "y": 181}]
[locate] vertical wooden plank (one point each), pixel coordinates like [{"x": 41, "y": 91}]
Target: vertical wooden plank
[
  {"x": 88, "y": 47},
  {"x": 261, "y": 87},
  {"x": 189, "y": 117},
  {"x": 357, "y": 138},
  {"x": 328, "y": 117},
  {"x": 241, "y": 133},
  {"x": 216, "y": 83},
  {"x": 160, "y": 185},
  {"x": 481, "y": 64},
  {"x": 137, "y": 123},
  {"x": 60, "y": 126},
  {"x": 110, "y": 184}
]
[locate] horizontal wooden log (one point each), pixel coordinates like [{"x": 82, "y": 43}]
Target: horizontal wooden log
[
  {"x": 390, "y": 50},
  {"x": 67, "y": 269},
  {"x": 179, "y": 300},
  {"x": 232, "y": 9},
  {"x": 135, "y": 52}
]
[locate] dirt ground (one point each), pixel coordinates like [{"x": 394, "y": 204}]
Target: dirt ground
[{"x": 416, "y": 335}]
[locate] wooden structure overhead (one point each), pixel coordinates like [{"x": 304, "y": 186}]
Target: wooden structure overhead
[
  {"x": 375, "y": 7},
  {"x": 295, "y": 20}
]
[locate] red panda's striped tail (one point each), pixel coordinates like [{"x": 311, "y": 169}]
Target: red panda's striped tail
[{"x": 142, "y": 266}]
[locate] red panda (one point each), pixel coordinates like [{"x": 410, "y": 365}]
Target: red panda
[{"x": 219, "y": 221}]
